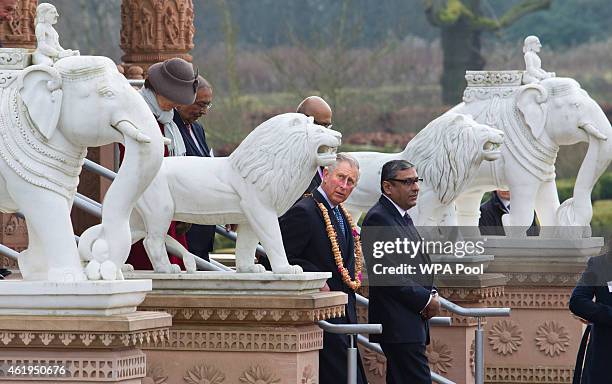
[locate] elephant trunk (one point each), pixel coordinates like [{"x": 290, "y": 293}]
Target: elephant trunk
[
  {"x": 578, "y": 210},
  {"x": 111, "y": 240}
]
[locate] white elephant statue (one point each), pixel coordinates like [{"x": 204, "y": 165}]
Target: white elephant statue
[
  {"x": 536, "y": 119},
  {"x": 447, "y": 154},
  {"x": 49, "y": 115},
  {"x": 252, "y": 187}
]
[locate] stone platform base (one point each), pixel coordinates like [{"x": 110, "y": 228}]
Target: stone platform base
[
  {"x": 240, "y": 338},
  {"x": 232, "y": 283},
  {"x": 85, "y": 298},
  {"x": 78, "y": 349}
]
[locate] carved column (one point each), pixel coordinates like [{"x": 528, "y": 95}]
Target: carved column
[
  {"x": 155, "y": 30},
  {"x": 19, "y": 33}
]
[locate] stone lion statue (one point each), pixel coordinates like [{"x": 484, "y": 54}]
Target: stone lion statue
[
  {"x": 447, "y": 154},
  {"x": 252, "y": 187}
]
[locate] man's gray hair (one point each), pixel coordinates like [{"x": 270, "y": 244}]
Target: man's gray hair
[
  {"x": 203, "y": 83},
  {"x": 344, "y": 157},
  {"x": 390, "y": 170}
]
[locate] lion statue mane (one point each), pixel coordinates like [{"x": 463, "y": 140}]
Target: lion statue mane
[
  {"x": 446, "y": 153},
  {"x": 252, "y": 187}
]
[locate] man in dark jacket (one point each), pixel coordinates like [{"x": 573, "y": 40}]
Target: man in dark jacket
[
  {"x": 491, "y": 213},
  {"x": 321, "y": 112},
  {"x": 306, "y": 238},
  {"x": 403, "y": 310},
  {"x": 596, "y": 282},
  {"x": 200, "y": 238}
]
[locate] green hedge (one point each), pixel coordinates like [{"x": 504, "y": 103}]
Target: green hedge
[{"x": 601, "y": 191}]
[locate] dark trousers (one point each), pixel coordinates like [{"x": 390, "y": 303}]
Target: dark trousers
[
  {"x": 333, "y": 360},
  {"x": 200, "y": 240},
  {"x": 406, "y": 363}
]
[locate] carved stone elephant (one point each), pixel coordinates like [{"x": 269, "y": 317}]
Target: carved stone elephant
[
  {"x": 49, "y": 115},
  {"x": 537, "y": 119}
]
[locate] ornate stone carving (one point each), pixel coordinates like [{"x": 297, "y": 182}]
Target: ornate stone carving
[
  {"x": 156, "y": 30},
  {"x": 309, "y": 375},
  {"x": 259, "y": 375},
  {"x": 34, "y": 339},
  {"x": 251, "y": 314},
  {"x": 505, "y": 337},
  {"x": 204, "y": 374},
  {"x": 374, "y": 362},
  {"x": 123, "y": 365},
  {"x": 554, "y": 279},
  {"x": 439, "y": 356},
  {"x": 19, "y": 32},
  {"x": 281, "y": 340},
  {"x": 493, "y": 78},
  {"x": 155, "y": 375},
  {"x": 531, "y": 299},
  {"x": 536, "y": 374},
  {"x": 552, "y": 338}
]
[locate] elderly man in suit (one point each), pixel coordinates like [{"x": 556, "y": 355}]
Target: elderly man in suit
[
  {"x": 317, "y": 235},
  {"x": 403, "y": 310},
  {"x": 596, "y": 282},
  {"x": 199, "y": 237}
]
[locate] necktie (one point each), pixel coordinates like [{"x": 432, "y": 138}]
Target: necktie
[
  {"x": 408, "y": 220},
  {"x": 340, "y": 220}
]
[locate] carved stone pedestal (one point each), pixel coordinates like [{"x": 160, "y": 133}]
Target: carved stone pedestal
[
  {"x": 246, "y": 337},
  {"x": 78, "y": 349},
  {"x": 538, "y": 343}
]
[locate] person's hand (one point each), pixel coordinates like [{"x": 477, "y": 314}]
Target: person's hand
[
  {"x": 580, "y": 319},
  {"x": 432, "y": 309},
  {"x": 231, "y": 227},
  {"x": 325, "y": 288}
]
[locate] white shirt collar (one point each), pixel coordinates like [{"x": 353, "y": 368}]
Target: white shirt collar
[
  {"x": 322, "y": 192},
  {"x": 401, "y": 211}
]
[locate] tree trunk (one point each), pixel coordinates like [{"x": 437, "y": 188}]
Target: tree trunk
[{"x": 461, "y": 47}]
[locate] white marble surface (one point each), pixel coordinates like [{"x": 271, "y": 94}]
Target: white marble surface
[
  {"x": 211, "y": 283},
  {"x": 14, "y": 58},
  {"x": 76, "y": 298},
  {"x": 254, "y": 186},
  {"x": 447, "y": 154}
]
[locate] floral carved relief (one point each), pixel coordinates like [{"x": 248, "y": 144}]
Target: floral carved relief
[
  {"x": 439, "y": 356},
  {"x": 552, "y": 338},
  {"x": 505, "y": 337},
  {"x": 259, "y": 375},
  {"x": 309, "y": 376},
  {"x": 374, "y": 362},
  {"x": 156, "y": 375},
  {"x": 204, "y": 374}
]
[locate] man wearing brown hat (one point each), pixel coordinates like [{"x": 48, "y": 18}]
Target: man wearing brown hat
[{"x": 168, "y": 85}]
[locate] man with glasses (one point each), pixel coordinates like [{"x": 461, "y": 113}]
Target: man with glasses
[
  {"x": 199, "y": 237},
  {"x": 403, "y": 310},
  {"x": 321, "y": 112}
]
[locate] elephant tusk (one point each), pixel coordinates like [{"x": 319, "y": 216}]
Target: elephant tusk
[
  {"x": 591, "y": 130},
  {"x": 128, "y": 129}
]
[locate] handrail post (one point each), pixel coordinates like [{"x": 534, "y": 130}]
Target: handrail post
[
  {"x": 478, "y": 354},
  {"x": 352, "y": 360}
]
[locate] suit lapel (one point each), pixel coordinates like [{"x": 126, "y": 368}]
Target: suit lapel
[
  {"x": 199, "y": 133},
  {"x": 189, "y": 143}
]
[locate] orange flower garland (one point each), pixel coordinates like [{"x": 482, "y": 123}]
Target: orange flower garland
[{"x": 331, "y": 234}]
